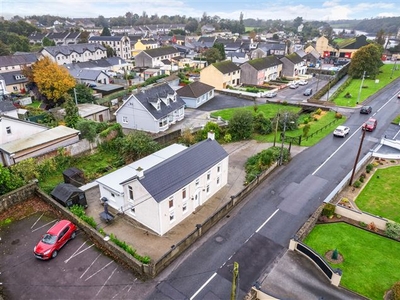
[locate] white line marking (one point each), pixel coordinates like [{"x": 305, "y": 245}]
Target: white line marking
[
  {"x": 44, "y": 225},
  {"x": 125, "y": 287},
  {"x": 90, "y": 266},
  {"x": 270, "y": 217},
  {"x": 76, "y": 253},
  {"x": 99, "y": 270},
  {"x": 202, "y": 287},
  {"x": 106, "y": 282},
  {"x": 37, "y": 221}
]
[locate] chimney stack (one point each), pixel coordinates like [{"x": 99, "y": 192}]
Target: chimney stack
[
  {"x": 211, "y": 135},
  {"x": 140, "y": 172}
]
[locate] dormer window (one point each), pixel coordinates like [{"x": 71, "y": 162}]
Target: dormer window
[{"x": 158, "y": 106}]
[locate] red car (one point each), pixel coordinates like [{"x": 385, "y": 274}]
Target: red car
[
  {"x": 370, "y": 125},
  {"x": 55, "y": 238}
]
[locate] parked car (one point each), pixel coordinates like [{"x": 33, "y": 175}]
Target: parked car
[
  {"x": 398, "y": 96},
  {"x": 307, "y": 92},
  {"x": 293, "y": 85},
  {"x": 341, "y": 131},
  {"x": 55, "y": 238},
  {"x": 370, "y": 125},
  {"x": 366, "y": 110},
  {"x": 302, "y": 82},
  {"x": 271, "y": 94}
]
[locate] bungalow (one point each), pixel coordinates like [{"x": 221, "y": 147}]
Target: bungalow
[
  {"x": 162, "y": 189},
  {"x": 153, "y": 110},
  {"x": 93, "y": 112},
  {"x": 196, "y": 94},
  {"x": 221, "y": 74}
]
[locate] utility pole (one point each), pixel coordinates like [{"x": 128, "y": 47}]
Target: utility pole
[
  {"x": 283, "y": 140},
  {"x": 76, "y": 100},
  {"x": 361, "y": 85},
  {"x": 276, "y": 127},
  {"x": 358, "y": 156},
  {"x": 394, "y": 67},
  {"x": 235, "y": 281}
]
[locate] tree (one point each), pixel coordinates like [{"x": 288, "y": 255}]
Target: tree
[
  {"x": 71, "y": 112},
  {"x": 105, "y": 32},
  {"x": 48, "y": 42},
  {"x": 212, "y": 55},
  {"x": 52, "y": 80},
  {"x": 192, "y": 25},
  {"x": 368, "y": 59},
  {"x": 262, "y": 125},
  {"x": 137, "y": 145},
  {"x": 380, "y": 37},
  {"x": 4, "y": 49},
  {"x": 8, "y": 180},
  {"x": 87, "y": 129},
  {"x": 83, "y": 93},
  {"x": 241, "y": 125},
  {"x": 221, "y": 50}
]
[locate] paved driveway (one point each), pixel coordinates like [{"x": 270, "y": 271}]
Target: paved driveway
[{"x": 80, "y": 271}]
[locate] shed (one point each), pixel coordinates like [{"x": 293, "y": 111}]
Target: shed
[
  {"x": 67, "y": 195},
  {"x": 74, "y": 176}
]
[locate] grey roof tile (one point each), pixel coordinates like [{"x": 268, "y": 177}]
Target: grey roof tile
[{"x": 194, "y": 89}]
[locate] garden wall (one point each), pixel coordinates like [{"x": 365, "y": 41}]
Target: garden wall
[
  {"x": 360, "y": 216},
  {"x": 17, "y": 196}
]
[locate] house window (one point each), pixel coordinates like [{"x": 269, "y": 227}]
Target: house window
[
  {"x": 130, "y": 193},
  {"x": 184, "y": 206},
  {"x": 171, "y": 216},
  {"x": 208, "y": 175},
  {"x": 125, "y": 119},
  {"x": 197, "y": 182},
  {"x": 8, "y": 130},
  {"x": 15, "y": 88},
  {"x": 208, "y": 188},
  {"x": 219, "y": 169},
  {"x": 217, "y": 180},
  {"x": 171, "y": 202},
  {"x": 184, "y": 194}
]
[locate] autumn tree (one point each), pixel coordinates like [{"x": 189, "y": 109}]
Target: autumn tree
[
  {"x": 368, "y": 59},
  {"x": 52, "y": 80}
]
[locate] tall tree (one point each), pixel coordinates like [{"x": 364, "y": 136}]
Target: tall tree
[
  {"x": 48, "y": 42},
  {"x": 368, "y": 59},
  {"x": 212, "y": 55},
  {"x": 52, "y": 80},
  {"x": 71, "y": 112},
  {"x": 380, "y": 37},
  {"x": 241, "y": 124},
  {"x": 221, "y": 48},
  {"x": 105, "y": 32}
]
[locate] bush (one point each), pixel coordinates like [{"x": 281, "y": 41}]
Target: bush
[
  {"x": 318, "y": 111},
  {"x": 328, "y": 210},
  {"x": 362, "y": 224},
  {"x": 372, "y": 227},
  {"x": 357, "y": 184},
  {"x": 396, "y": 291},
  {"x": 393, "y": 230},
  {"x": 361, "y": 179},
  {"x": 127, "y": 248},
  {"x": 79, "y": 211},
  {"x": 338, "y": 115},
  {"x": 369, "y": 168}
]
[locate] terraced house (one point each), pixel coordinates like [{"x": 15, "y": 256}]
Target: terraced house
[
  {"x": 260, "y": 70},
  {"x": 68, "y": 54},
  {"x": 120, "y": 44},
  {"x": 155, "y": 58},
  {"x": 221, "y": 74}
]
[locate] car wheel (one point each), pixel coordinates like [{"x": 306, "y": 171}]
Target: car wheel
[
  {"x": 73, "y": 235},
  {"x": 54, "y": 254}
]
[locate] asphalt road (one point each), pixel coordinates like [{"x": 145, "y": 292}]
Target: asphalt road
[{"x": 258, "y": 232}]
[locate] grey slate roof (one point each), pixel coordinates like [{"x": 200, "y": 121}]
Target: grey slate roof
[
  {"x": 194, "y": 90},
  {"x": 151, "y": 95},
  {"x": 6, "y": 105},
  {"x": 64, "y": 191},
  {"x": 20, "y": 59},
  {"x": 85, "y": 74},
  {"x": 114, "y": 38},
  {"x": 157, "y": 52},
  {"x": 78, "y": 48},
  {"x": 174, "y": 173},
  {"x": 14, "y": 77}
]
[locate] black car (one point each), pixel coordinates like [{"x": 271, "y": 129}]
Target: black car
[
  {"x": 307, "y": 92},
  {"x": 366, "y": 110}
]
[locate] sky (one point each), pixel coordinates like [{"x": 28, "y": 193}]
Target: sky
[{"x": 257, "y": 9}]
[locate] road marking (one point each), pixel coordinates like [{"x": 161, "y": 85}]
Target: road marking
[
  {"x": 90, "y": 266},
  {"x": 266, "y": 221},
  {"x": 76, "y": 253},
  {"x": 125, "y": 287},
  {"x": 202, "y": 287},
  {"x": 37, "y": 221},
  {"x": 106, "y": 282},
  {"x": 208, "y": 281},
  {"x": 99, "y": 270},
  {"x": 44, "y": 225}
]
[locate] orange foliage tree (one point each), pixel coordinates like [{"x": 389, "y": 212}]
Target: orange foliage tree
[{"x": 52, "y": 80}]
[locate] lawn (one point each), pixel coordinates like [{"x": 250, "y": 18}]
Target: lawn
[
  {"x": 371, "y": 265},
  {"x": 270, "y": 110},
  {"x": 381, "y": 195},
  {"x": 369, "y": 88}
]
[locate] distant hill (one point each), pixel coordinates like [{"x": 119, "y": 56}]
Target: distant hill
[{"x": 389, "y": 25}]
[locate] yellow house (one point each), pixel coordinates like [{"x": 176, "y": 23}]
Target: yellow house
[
  {"x": 323, "y": 47},
  {"x": 221, "y": 74},
  {"x": 144, "y": 44}
]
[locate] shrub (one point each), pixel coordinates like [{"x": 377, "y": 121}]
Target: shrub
[
  {"x": 393, "y": 230},
  {"x": 396, "y": 291},
  {"x": 328, "y": 210},
  {"x": 306, "y": 130},
  {"x": 127, "y": 248},
  {"x": 227, "y": 138},
  {"x": 369, "y": 168},
  {"x": 318, "y": 111},
  {"x": 361, "y": 179},
  {"x": 372, "y": 227},
  {"x": 357, "y": 184},
  {"x": 362, "y": 224},
  {"x": 79, "y": 211},
  {"x": 338, "y": 115}
]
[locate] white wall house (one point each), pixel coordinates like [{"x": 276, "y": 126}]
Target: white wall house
[
  {"x": 67, "y": 54},
  {"x": 153, "y": 110},
  {"x": 164, "y": 188},
  {"x": 196, "y": 94}
]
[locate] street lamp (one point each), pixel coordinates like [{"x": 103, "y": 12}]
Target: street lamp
[{"x": 359, "y": 91}]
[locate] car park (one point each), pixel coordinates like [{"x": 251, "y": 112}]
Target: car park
[
  {"x": 307, "y": 92},
  {"x": 366, "y": 109},
  {"x": 55, "y": 238},
  {"x": 370, "y": 125},
  {"x": 271, "y": 94},
  {"x": 341, "y": 131}
]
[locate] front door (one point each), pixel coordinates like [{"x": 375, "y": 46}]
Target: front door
[{"x": 196, "y": 199}]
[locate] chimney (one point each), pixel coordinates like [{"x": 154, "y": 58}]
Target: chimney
[
  {"x": 140, "y": 172},
  {"x": 211, "y": 135}
]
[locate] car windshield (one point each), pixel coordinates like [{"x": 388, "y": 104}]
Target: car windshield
[
  {"x": 370, "y": 122},
  {"x": 49, "y": 239}
]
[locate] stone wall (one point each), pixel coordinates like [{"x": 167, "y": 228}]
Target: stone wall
[
  {"x": 17, "y": 196},
  {"x": 309, "y": 224}
]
